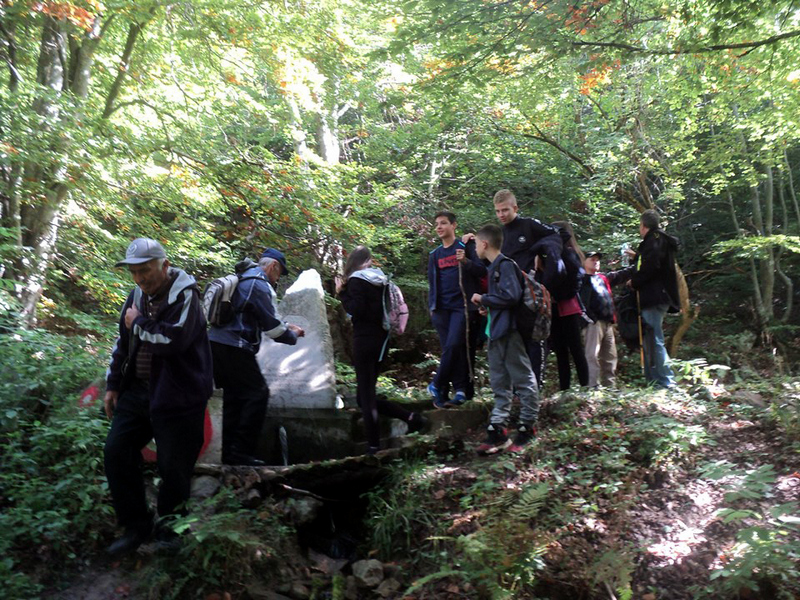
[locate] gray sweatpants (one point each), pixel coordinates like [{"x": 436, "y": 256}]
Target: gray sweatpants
[{"x": 509, "y": 371}]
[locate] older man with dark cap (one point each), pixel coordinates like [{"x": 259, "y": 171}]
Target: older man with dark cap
[
  {"x": 158, "y": 383},
  {"x": 234, "y": 345}
]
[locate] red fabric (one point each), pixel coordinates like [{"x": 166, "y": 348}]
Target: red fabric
[{"x": 569, "y": 307}]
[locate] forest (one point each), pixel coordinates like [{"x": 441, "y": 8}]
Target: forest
[{"x": 223, "y": 128}]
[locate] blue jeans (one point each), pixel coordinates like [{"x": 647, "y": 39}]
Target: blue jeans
[{"x": 656, "y": 359}]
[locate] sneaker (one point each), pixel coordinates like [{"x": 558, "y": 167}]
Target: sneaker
[
  {"x": 496, "y": 440},
  {"x": 458, "y": 399},
  {"x": 417, "y": 423},
  {"x": 438, "y": 402},
  {"x": 525, "y": 434}
]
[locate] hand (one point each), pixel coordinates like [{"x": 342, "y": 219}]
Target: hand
[
  {"x": 630, "y": 252},
  {"x": 338, "y": 281},
  {"x": 483, "y": 311},
  {"x": 467, "y": 237},
  {"x": 130, "y": 316},
  {"x": 476, "y": 299},
  {"x": 298, "y": 331},
  {"x": 110, "y": 402},
  {"x": 629, "y": 283},
  {"x": 461, "y": 255}
]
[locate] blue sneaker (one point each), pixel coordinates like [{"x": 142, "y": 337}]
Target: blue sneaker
[
  {"x": 437, "y": 397},
  {"x": 458, "y": 399}
]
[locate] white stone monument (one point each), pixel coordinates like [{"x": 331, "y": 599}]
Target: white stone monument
[{"x": 301, "y": 376}]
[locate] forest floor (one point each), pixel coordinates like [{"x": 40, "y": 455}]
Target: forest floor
[{"x": 624, "y": 494}]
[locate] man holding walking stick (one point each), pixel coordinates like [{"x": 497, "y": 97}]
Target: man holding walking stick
[
  {"x": 656, "y": 284},
  {"x": 454, "y": 274}
]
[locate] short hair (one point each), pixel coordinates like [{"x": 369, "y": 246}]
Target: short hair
[
  {"x": 451, "y": 217},
  {"x": 265, "y": 262},
  {"x": 650, "y": 219},
  {"x": 505, "y": 196},
  {"x": 492, "y": 234}
]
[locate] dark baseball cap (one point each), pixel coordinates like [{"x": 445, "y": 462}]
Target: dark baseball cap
[
  {"x": 593, "y": 254},
  {"x": 142, "y": 250},
  {"x": 276, "y": 255}
]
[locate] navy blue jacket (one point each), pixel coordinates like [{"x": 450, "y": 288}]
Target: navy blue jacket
[
  {"x": 473, "y": 270},
  {"x": 255, "y": 312},
  {"x": 503, "y": 297},
  {"x": 180, "y": 372}
]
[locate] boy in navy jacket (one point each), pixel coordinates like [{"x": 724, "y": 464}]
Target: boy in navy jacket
[
  {"x": 509, "y": 365},
  {"x": 454, "y": 273}
]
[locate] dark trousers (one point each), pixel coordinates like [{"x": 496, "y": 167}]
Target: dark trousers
[
  {"x": 178, "y": 440},
  {"x": 453, "y": 368},
  {"x": 245, "y": 396},
  {"x": 565, "y": 340},
  {"x": 537, "y": 353},
  {"x": 366, "y": 352}
]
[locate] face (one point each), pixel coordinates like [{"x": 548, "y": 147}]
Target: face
[
  {"x": 273, "y": 272},
  {"x": 506, "y": 211},
  {"x": 148, "y": 276},
  {"x": 444, "y": 228},
  {"x": 643, "y": 230},
  {"x": 592, "y": 265}
]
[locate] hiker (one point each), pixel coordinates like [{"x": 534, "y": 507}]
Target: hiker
[
  {"x": 523, "y": 239},
  {"x": 599, "y": 342},
  {"x": 158, "y": 384},
  {"x": 361, "y": 290},
  {"x": 454, "y": 274},
  {"x": 656, "y": 283},
  {"x": 234, "y": 345},
  {"x": 565, "y": 330},
  {"x": 509, "y": 367}
]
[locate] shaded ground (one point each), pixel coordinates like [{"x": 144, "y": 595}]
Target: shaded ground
[{"x": 620, "y": 496}]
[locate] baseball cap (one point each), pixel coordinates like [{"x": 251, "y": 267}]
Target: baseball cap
[
  {"x": 593, "y": 254},
  {"x": 276, "y": 255},
  {"x": 142, "y": 250}
]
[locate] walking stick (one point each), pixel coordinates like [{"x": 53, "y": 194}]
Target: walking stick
[
  {"x": 641, "y": 343},
  {"x": 466, "y": 317}
]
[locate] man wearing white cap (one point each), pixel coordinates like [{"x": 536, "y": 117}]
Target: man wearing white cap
[{"x": 158, "y": 383}]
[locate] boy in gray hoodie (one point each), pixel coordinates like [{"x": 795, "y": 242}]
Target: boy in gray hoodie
[{"x": 509, "y": 365}]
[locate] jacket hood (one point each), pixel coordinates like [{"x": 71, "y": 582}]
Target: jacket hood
[
  {"x": 182, "y": 281},
  {"x": 243, "y": 265},
  {"x": 372, "y": 275},
  {"x": 671, "y": 241}
]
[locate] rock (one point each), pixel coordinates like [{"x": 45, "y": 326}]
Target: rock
[
  {"x": 204, "y": 487},
  {"x": 302, "y": 376},
  {"x": 326, "y": 564},
  {"x": 256, "y": 592},
  {"x": 388, "y": 587},
  {"x": 752, "y": 398},
  {"x": 368, "y": 573},
  {"x": 351, "y": 589},
  {"x": 298, "y": 591},
  {"x": 304, "y": 510},
  {"x": 252, "y": 499}
]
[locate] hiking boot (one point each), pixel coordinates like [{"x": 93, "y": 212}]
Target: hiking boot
[
  {"x": 458, "y": 399},
  {"x": 496, "y": 440},
  {"x": 438, "y": 402},
  {"x": 131, "y": 539},
  {"x": 525, "y": 434},
  {"x": 417, "y": 423}
]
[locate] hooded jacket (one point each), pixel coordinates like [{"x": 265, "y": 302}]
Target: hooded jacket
[
  {"x": 180, "y": 372},
  {"x": 503, "y": 297},
  {"x": 362, "y": 298},
  {"x": 255, "y": 312},
  {"x": 655, "y": 276}
]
